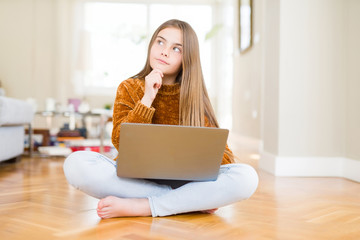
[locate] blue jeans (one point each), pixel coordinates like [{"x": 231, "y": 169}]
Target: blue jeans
[{"x": 95, "y": 174}]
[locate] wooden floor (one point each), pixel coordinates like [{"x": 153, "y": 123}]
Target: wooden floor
[{"x": 37, "y": 203}]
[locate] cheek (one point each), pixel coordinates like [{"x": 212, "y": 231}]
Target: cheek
[
  {"x": 155, "y": 49},
  {"x": 151, "y": 56},
  {"x": 179, "y": 60},
  {"x": 152, "y": 51}
]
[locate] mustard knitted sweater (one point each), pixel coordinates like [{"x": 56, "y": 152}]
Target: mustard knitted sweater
[{"x": 164, "y": 109}]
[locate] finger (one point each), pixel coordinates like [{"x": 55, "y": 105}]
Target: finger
[
  {"x": 159, "y": 83},
  {"x": 157, "y": 80},
  {"x": 159, "y": 71}
]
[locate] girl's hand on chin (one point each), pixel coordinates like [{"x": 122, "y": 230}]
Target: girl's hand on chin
[{"x": 153, "y": 83}]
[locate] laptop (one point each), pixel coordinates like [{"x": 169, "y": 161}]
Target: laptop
[{"x": 153, "y": 151}]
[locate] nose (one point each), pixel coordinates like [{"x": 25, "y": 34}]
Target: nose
[{"x": 165, "y": 52}]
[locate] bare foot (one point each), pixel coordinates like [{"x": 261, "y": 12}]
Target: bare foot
[
  {"x": 210, "y": 211},
  {"x": 110, "y": 207}
]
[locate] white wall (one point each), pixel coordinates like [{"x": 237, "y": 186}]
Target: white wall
[
  {"x": 311, "y": 83},
  {"x": 26, "y": 46},
  {"x": 256, "y": 81},
  {"x": 247, "y": 81},
  {"x": 307, "y": 56},
  {"x": 270, "y": 80},
  {"x": 352, "y": 43},
  {"x": 35, "y": 61}
]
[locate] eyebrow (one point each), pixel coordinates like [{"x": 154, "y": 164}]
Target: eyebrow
[{"x": 178, "y": 44}]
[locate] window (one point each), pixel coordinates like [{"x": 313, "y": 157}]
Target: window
[{"x": 115, "y": 36}]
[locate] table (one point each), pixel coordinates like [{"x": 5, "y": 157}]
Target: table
[{"x": 103, "y": 115}]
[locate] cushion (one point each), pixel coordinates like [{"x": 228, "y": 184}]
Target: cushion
[{"x": 15, "y": 112}]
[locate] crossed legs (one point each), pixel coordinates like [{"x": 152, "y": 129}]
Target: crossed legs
[{"x": 95, "y": 175}]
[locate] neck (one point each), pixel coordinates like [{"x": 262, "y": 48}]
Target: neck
[{"x": 169, "y": 80}]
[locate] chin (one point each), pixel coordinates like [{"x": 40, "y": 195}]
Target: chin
[
  {"x": 155, "y": 66},
  {"x": 164, "y": 70}
]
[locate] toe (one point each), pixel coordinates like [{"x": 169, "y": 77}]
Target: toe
[
  {"x": 100, "y": 204},
  {"x": 101, "y": 214}
]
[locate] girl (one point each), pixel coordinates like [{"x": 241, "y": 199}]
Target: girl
[{"x": 169, "y": 90}]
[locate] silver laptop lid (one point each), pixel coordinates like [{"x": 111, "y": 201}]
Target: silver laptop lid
[{"x": 170, "y": 152}]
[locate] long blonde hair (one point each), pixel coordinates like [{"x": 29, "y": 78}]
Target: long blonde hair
[{"x": 194, "y": 103}]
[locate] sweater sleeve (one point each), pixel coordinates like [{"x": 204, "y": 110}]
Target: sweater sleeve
[
  {"x": 128, "y": 108},
  {"x": 226, "y": 158}
]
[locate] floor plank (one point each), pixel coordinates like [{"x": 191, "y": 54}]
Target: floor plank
[{"x": 36, "y": 201}]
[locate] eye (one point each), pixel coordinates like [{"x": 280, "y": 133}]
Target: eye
[
  {"x": 176, "y": 49},
  {"x": 160, "y": 42}
]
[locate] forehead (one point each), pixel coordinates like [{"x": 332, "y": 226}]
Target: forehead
[{"x": 171, "y": 35}]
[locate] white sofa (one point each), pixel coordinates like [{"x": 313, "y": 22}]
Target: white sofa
[{"x": 14, "y": 115}]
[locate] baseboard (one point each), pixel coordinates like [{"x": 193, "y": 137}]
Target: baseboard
[
  {"x": 311, "y": 166},
  {"x": 351, "y": 169}
]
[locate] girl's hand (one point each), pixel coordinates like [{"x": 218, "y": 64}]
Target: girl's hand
[{"x": 153, "y": 83}]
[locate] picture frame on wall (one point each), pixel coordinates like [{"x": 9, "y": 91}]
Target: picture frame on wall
[{"x": 245, "y": 25}]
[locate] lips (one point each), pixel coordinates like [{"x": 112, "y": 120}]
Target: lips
[{"x": 162, "y": 61}]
